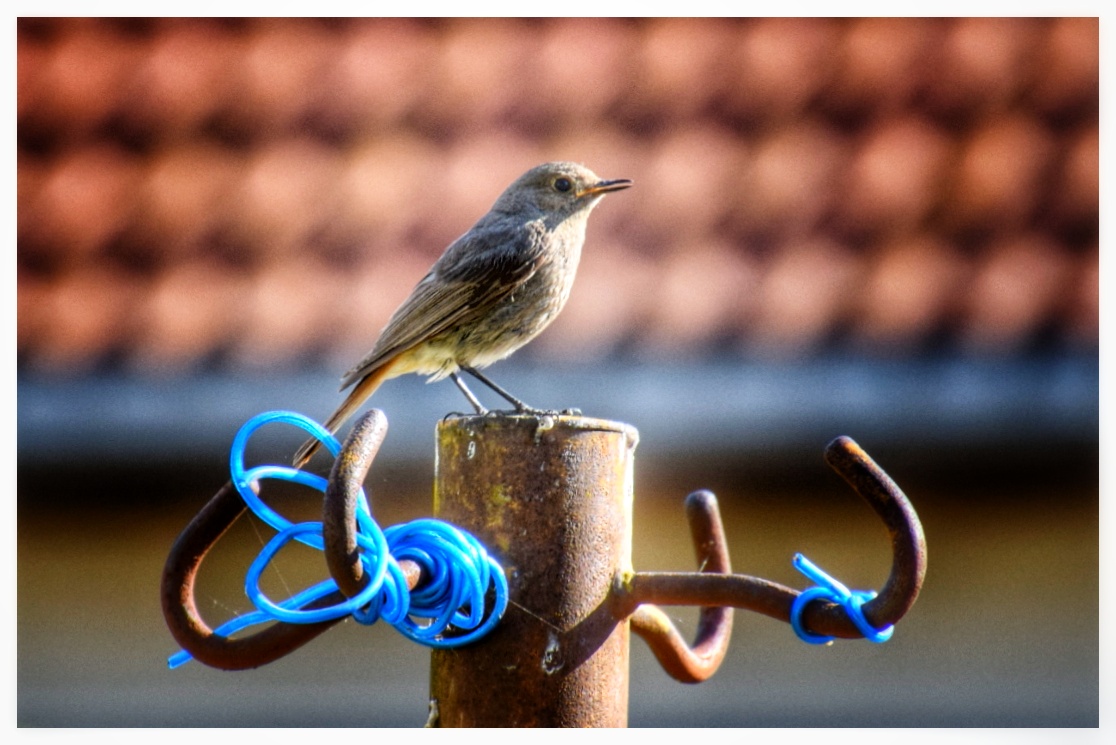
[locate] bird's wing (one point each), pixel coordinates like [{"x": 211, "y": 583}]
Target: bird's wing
[{"x": 477, "y": 271}]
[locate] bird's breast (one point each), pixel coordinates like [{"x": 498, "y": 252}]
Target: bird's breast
[{"x": 522, "y": 315}]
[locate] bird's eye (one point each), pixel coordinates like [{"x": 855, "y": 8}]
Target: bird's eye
[{"x": 563, "y": 184}]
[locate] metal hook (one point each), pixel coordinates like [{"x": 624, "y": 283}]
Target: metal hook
[
  {"x": 693, "y": 663},
  {"x": 339, "y": 506},
  {"x": 181, "y": 612},
  {"x": 634, "y": 593},
  {"x": 339, "y": 525}
]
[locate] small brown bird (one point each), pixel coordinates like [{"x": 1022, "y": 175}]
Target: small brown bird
[{"x": 493, "y": 290}]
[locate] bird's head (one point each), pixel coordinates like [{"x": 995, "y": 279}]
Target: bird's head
[{"x": 559, "y": 189}]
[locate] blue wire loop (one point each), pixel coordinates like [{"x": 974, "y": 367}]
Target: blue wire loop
[
  {"x": 456, "y": 568},
  {"x": 833, "y": 591}
]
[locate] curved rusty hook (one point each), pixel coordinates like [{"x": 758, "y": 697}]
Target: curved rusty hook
[
  {"x": 741, "y": 591},
  {"x": 180, "y": 572},
  {"x": 697, "y": 662},
  {"x": 181, "y": 612},
  {"x": 908, "y": 542},
  {"x": 339, "y": 506}
]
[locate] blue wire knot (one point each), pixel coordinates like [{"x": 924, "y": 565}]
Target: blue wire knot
[
  {"x": 456, "y": 568},
  {"x": 835, "y": 592}
]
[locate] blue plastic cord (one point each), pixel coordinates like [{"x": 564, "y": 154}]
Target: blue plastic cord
[
  {"x": 835, "y": 592},
  {"x": 457, "y": 568}
]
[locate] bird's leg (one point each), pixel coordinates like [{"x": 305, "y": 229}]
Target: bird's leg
[
  {"x": 468, "y": 393},
  {"x": 520, "y": 407}
]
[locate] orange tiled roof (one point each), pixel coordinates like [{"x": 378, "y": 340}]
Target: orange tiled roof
[{"x": 263, "y": 192}]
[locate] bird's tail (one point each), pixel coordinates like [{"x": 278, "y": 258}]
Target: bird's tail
[{"x": 367, "y": 385}]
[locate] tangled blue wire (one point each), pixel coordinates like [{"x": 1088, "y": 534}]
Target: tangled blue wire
[
  {"x": 835, "y": 592},
  {"x": 457, "y": 569}
]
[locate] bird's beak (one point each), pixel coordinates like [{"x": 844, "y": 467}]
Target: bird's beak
[{"x": 602, "y": 187}]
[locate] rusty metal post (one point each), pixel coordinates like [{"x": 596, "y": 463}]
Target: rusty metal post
[{"x": 551, "y": 498}]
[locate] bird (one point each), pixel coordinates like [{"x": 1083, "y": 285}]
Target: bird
[{"x": 491, "y": 291}]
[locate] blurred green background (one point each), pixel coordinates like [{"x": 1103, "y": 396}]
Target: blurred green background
[{"x": 883, "y": 228}]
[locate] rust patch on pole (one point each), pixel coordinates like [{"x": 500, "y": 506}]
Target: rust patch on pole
[{"x": 551, "y": 498}]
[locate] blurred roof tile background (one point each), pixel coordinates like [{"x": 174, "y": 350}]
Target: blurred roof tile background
[
  {"x": 880, "y": 227},
  {"x": 226, "y": 194}
]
